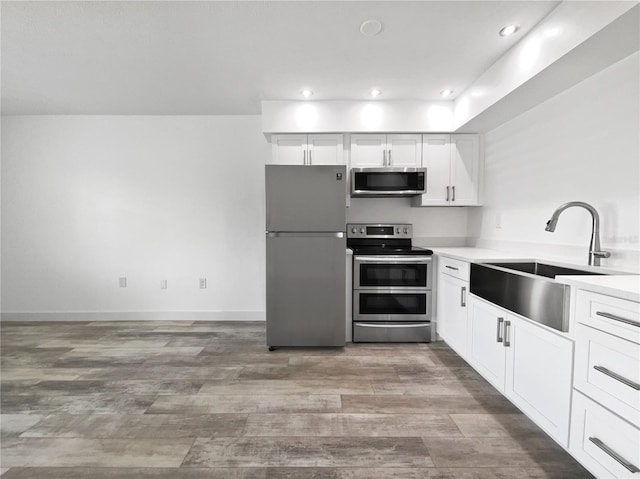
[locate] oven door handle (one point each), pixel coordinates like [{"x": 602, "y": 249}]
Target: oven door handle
[
  {"x": 374, "y": 325},
  {"x": 392, "y": 259}
]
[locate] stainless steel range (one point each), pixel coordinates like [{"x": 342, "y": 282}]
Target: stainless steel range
[{"x": 391, "y": 284}]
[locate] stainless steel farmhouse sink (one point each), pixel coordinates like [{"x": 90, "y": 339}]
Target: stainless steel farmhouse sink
[{"x": 527, "y": 288}]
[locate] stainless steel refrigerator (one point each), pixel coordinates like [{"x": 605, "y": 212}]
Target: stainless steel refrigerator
[{"x": 306, "y": 221}]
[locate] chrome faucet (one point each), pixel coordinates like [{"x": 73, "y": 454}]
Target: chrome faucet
[{"x": 594, "y": 245}]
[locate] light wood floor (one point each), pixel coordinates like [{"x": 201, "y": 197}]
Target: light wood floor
[{"x": 185, "y": 400}]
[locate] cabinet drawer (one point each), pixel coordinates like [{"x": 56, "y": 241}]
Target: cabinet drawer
[
  {"x": 613, "y": 315},
  {"x": 453, "y": 267},
  {"x": 608, "y": 370},
  {"x": 605, "y": 444}
]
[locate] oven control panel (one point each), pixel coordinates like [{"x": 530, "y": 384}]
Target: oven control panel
[{"x": 396, "y": 230}]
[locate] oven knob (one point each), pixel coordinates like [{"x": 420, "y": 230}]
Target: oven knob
[
  {"x": 398, "y": 231},
  {"x": 406, "y": 230},
  {"x": 354, "y": 230},
  {"x": 361, "y": 230}
]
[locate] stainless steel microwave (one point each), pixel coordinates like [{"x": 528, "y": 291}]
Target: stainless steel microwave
[{"x": 372, "y": 182}]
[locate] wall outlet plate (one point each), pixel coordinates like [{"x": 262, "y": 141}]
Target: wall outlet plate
[
  {"x": 163, "y": 284},
  {"x": 203, "y": 283},
  {"x": 122, "y": 281}
]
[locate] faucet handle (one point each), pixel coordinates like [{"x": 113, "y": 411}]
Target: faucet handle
[{"x": 601, "y": 254}]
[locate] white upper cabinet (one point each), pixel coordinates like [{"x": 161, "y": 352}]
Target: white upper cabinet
[
  {"x": 453, "y": 170},
  {"x": 289, "y": 149},
  {"x": 436, "y": 158},
  {"x": 386, "y": 151},
  {"x": 368, "y": 151},
  {"x": 465, "y": 151},
  {"x": 404, "y": 151},
  {"x": 301, "y": 149},
  {"x": 325, "y": 150}
]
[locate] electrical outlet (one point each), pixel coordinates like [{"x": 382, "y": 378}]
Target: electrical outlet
[
  {"x": 163, "y": 284},
  {"x": 122, "y": 281},
  {"x": 203, "y": 283}
]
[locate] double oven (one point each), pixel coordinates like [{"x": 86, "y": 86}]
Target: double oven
[{"x": 391, "y": 284}]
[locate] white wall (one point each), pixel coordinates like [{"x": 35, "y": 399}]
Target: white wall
[
  {"x": 432, "y": 226},
  {"x": 581, "y": 145},
  {"x": 87, "y": 199}
]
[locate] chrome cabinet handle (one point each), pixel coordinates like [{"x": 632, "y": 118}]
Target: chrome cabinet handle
[
  {"x": 304, "y": 157},
  {"x": 507, "y": 343},
  {"x": 384, "y": 157},
  {"x": 610, "y": 452},
  {"x": 453, "y": 196},
  {"x": 618, "y": 318},
  {"x": 463, "y": 294},
  {"x": 617, "y": 377},
  {"x": 499, "y": 338},
  {"x": 389, "y": 157},
  {"x": 447, "y": 194},
  {"x": 309, "y": 157},
  {"x": 450, "y": 267}
]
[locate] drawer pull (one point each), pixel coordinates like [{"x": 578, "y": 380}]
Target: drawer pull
[
  {"x": 617, "y": 377},
  {"x": 618, "y": 318},
  {"x": 627, "y": 465},
  {"x": 463, "y": 300},
  {"x": 451, "y": 267}
]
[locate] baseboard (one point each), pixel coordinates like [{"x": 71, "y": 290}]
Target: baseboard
[{"x": 135, "y": 316}]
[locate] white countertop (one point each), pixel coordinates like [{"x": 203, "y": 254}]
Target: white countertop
[
  {"x": 478, "y": 254},
  {"x": 626, "y": 287}
]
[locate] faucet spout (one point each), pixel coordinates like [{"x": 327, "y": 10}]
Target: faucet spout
[{"x": 594, "y": 244}]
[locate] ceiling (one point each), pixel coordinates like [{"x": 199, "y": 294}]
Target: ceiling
[{"x": 222, "y": 57}]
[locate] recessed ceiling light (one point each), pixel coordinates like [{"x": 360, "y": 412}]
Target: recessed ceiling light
[
  {"x": 306, "y": 93},
  {"x": 371, "y": 28},
  {"x": 446, "y": 93},
  {"x": 375, "y": 92},
  {"x": 509, "y": 30}
]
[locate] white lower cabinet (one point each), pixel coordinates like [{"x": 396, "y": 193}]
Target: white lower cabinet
[
  {"x": 529, "y": 364},
  {"x": 452, "y": 312},
  {"x": 538, "y": 376},
  {"x": 451, "y": 303},
  {"x": 486, "y": 341},
  {"x": 607, "y": 445}
]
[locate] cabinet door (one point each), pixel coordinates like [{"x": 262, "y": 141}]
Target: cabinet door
[
  {"x": 538, "y": 379},
  {"x": 436, "y": 158},
  {"x": 404, "y": 151},
  {"x": 486, "y": 345},
  {"x": 325, "y": 150},
  {"x": 288, "y": 149},
  {"x": 465, "y": 150},
  {"x": 368, "y": 151},
  {"x": 451, "y": 312}
]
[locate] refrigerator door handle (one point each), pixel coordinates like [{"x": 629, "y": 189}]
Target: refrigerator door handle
[{"x": 305, "y": 234}]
